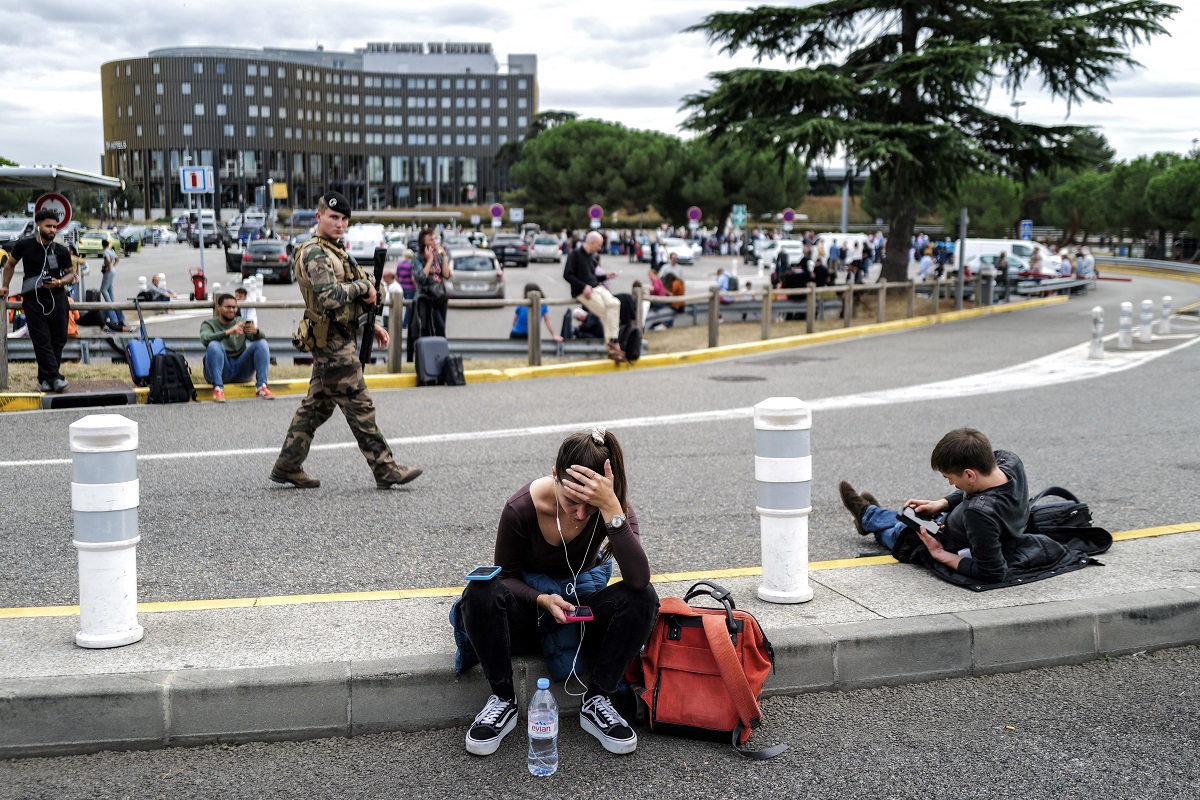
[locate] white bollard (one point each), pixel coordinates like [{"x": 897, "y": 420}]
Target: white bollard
[
  {"x": 733, "y": 266},
  {"x": 104, "y": 497},
  {"x": 1146, "y": 330},
  {"x": 1097, "y": 349},
  {"x": 1164, "y": 324},
  {"x": 783, "y": 473},
  {"x": 1125, "y": 329},
  {"x": 142, "y": 283}
]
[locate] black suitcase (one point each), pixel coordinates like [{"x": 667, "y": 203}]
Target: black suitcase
[{"x": 432, "y": 352}]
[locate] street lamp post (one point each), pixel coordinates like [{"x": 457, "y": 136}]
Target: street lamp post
[
  {"x": 271, "y": 194},
  {"x": 1016, "y": 104}
]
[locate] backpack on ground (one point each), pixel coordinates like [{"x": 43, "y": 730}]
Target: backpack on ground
[
  {"x": 702, "y": 670},
  {"x": 452, "y": 371},
  {"x": 629, "y": 339},
  {"x": 92, "y": 316},
  {"x": 170, "y": 379},
  {"x": 1066, "y": 512}
]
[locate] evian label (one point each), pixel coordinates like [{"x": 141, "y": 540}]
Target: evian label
[{"x": 543, "y": 728}]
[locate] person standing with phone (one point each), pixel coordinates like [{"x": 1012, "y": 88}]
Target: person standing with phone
[
  {"x": 553, "y": 547},
  {"x": 430, "y": 268},
  {"x": 47, "y": 271}
]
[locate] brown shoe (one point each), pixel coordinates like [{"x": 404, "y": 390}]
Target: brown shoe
[
  {"x": 870, "y": 498},
  {"x": 397, "y": 477},
  {"x": 299, "y": 478},
  {"x": 615, "y": 352},
  {"x": 855, "y": 503}
]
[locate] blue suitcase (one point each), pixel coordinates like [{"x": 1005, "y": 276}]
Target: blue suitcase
[{"x": 140, "y": 352}]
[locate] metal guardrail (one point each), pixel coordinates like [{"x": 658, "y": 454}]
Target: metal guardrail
[{"x": 1150, "y": 263}]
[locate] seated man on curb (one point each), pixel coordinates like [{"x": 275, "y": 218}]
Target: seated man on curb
[
  {"x": 984, "y": 520},
  {"x": 235, "y": 348}
]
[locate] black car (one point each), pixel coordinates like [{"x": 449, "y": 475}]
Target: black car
[
  {"x": 268, "y": 258},
  {"x": 216, "y": 236},
  {"x": 510, "y": 248}
]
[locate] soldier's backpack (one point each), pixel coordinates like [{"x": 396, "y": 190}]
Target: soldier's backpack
[{"x": 170, "y": 380}]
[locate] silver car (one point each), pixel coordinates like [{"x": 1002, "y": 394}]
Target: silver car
[
  {"x": 547, "y": 248},
  {"x": 475, "y": 273}
]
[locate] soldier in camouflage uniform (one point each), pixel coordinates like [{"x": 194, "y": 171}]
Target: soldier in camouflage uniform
[{"x": 335, "y": 290}]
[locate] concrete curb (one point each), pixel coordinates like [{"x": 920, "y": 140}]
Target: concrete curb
[
  {"x": 79, "y": 714},
  {"x": 31, "y": 401}
]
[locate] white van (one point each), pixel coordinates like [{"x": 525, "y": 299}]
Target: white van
[
  {"x": 362, "y": 238},
  {"x": 1020, "y": 247}
]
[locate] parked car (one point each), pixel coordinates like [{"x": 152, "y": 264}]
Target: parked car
[
  {"x": 680, "y": 247},
  {"x": 975, "y": 263},
  {"x": 510, "y": 248},
  {"x": 92, "y": 243},
  {"x": 295, "y": 241},
  {"x": 302, "y": 218},
  {"x": 269, "y": 258},
  {"x": 14, "y": 228},
  {"x": 361, "y": 240},
  {"x": 251, "y": 230},
  {"x": 215, "y": 234},
  {"x": 165, "y": 235},
  {"x": 546, "y": 248},
  {"x": 134, "y": 236},
  {"x": 478, "y": 238},
  {"x": 474, "y": 273},
  {"x": 456, "y": 240},
  {"x": 768, "y": 253}
]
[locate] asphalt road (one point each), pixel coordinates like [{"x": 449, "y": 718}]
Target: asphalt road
[
  {"x": 1118, "y": 728},
  {"x": 213, "y": 525}
]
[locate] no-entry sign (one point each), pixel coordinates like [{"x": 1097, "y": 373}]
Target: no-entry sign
[
  {"x": 54, "y": 202},
  {"x": 497, "y": 210},
  {"x": 596, "y": 212}
]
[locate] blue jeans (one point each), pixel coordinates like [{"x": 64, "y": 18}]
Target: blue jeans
[
  {"x": 219, "y": 367},
  {"x": 116, "y": 317},
  {"x": 882, "y": 524}
]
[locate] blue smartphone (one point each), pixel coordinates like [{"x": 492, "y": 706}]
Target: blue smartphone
[{"x": 483, "y": 573}]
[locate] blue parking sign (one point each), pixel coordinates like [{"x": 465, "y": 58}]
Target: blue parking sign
[{"x": 1027, "y": 229}]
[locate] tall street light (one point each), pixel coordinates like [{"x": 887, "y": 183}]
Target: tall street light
[{"x": 1016, "y": 104}]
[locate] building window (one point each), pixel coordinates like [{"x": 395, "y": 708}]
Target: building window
[
  {"x": 460, "y": 122},
  {"x": 158, "y": 109},
  {"x": 267, "y": 91},
  {"x": 227, "y": 89},
  {"x": 485, "y": 139},
  {"x": 139, "y": 131},
  {"x": 522, "y": 84},
  {"x": 445, "y": 138},
  {"x": 128, "y": 70},
  {"x": 460, "y": 83},
  {"x": 280, "y": 73},
  {"x": 220, "y": 68},
  {"x": 470, "y": 122},
  {"x": 501, "y": 139},
  {"x": 445, "y": 83},
  {"x": 155, "y": 68},
  {"x": 460, "y": 102},
  {"x": 470, "y": 83},
  {"x": 432, "y": 121},
  {"x": 269, "y": 131},
  {"x": 522, "y": 122},
  {"x": 129, "y": 111},
  {"x": 185, "y": 88},
  {"x": 485, "y": 102},
  {"x": 228, "y": 130},
  {"x": 282, "y": 112},
  {"x": 470, "y": 102},
  {"x": 252, "y": 111},
  {"x": 137, "y": 90},
  {"x": 198, "y": 67},
  {"x": 471, "y": 140},
  {"x": 502, "y": 83},
  {"x": 198, "y": 109},
  {"x": 445, "y": 102},
  {"x": 187, "y": 129},
  {"x": 522, "y": 102},
  {"x": 251, "y": 130},
  {"x": 460, "y": 139},
  {"x": 158, "y": 88},
  {"x": 162, "y": 129},
  {"x": 252, "y": 70},
  {"x": 502, "y": 122},
  {"x": 220, "y": 109},
  {"x": 445, "y": 122},
  {"x": 287, "y": 133},
  {"x": 249, "y": 90},
  {"x": 501, "y": 102}
]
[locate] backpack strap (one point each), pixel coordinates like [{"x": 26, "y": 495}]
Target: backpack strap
[
  {"x": 749, "y": 714},
  {"x": 1055, "y": 491}
]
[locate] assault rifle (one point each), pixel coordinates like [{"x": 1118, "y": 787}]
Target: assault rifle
[{"x": 368, "y": 339}]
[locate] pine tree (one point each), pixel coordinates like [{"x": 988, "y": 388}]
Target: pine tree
[{"x": 898, "y": 87}]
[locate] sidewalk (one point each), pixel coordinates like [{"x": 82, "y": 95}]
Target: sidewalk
[{"x": 337, "y": 665}]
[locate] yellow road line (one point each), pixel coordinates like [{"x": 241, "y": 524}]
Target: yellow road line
[{"x": 455, "y": 591}]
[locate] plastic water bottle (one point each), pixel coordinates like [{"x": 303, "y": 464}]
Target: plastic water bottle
[{"x": 543, "y": 731}]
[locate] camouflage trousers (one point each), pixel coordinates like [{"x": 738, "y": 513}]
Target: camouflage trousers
[{"x": 337, "y": 381}]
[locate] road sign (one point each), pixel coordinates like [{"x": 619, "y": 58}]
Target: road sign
[
  {"x": 497, "y": 211},
  {"x": 196, "y": 180},
  {"x": 495, "y": 222},
  {"x": 516, "y": 215},
  {"x": 693, "y": 224},
  {"x": 1027, "y": 229},
  {"x": 596, "y": 213},
  {"x": 789, "y": 215},
  {"x": 739, "y": 215},
  {"x": 55, "y": 202},
  {"x": 694, "y": 214},
  {"x": 474, "y": 219},
  {"x": 595, "y": 224}
]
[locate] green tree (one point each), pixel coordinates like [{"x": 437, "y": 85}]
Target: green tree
[
  {"x": 1173, "y": 196},
  {"x": 571, "y": 166},
  {"x": 1081, "y": 203},
  {"x": 993, "y": 203},
  {"x": 509, "y": 152},
  {"x": 1129, "y": 181},
  {"x": 906, "y": 99},
  {"x": 12, "y": 200},
  {"x": 717, "y": 176}
]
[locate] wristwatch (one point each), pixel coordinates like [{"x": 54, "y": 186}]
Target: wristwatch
[{"x": 616, "y": 522}]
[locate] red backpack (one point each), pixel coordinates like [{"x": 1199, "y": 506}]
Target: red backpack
[{"x": 703, "y": 670}]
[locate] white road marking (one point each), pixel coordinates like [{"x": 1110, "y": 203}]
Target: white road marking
[{"x": 1064, "y": 366}]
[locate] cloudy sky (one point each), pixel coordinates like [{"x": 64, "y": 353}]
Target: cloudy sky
[{"x": 620, "y": 60}]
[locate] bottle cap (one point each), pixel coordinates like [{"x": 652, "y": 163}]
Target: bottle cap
[{"x": 543, "y": 683}]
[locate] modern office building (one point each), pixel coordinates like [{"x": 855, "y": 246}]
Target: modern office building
[{"x": 390, "y": 125}]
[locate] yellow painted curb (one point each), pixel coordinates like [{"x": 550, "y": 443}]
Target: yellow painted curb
[
  {"x": 455, "y": 591},
  {"x": 20, "y": 401}
]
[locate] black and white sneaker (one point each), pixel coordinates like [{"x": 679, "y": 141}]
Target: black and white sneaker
[
  {"x": 600, "y": 719},
  {"x": 491, "y": 725}
]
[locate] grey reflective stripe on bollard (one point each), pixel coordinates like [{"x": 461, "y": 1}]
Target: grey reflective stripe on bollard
[
  {"x": 104, "y": 499},
  {"x": 783, "y": 477}
]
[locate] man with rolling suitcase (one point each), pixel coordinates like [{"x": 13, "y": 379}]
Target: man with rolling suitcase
[{"x": 335, "y": 290}]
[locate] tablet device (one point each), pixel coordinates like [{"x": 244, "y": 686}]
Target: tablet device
[{"x": 910, "y": 518}]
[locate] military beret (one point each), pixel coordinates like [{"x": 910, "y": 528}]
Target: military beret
[{"x": 336, "y": 201}]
